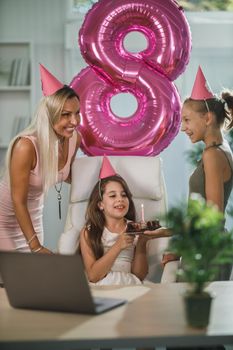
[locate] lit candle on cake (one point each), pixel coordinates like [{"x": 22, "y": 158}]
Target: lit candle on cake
[{"x": 142, "y": 213}]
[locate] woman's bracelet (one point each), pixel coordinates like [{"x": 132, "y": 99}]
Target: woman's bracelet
[
  {"x": 37, "y": 249},
  {"x": 31, "y": 239}
]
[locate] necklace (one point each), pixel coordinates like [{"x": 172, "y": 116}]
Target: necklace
[
  {"x": 62, "y": 152},
  {"x": 61, "y": 140},
  {"x": 121, "y": 231},
  {"x": 58, "y": 188},
  {"x": 124, "y": 228},
  {"x": 213, "y": 144}
]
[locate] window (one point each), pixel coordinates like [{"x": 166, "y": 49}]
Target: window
[
  {"x": 206, "y": 5},
  {"x": 81, "y": 6}
]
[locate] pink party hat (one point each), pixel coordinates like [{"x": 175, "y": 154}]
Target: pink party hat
[
  {"x": 50, "y": 84},
  {"x": 201, "y": 89},
  {"x": 106, "y": 169}
]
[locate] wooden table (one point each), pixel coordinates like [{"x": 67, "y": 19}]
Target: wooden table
[{"x": 153, "y": 316}]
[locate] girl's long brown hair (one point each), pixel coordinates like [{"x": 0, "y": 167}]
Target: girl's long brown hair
[{"x": 95, "y": 219}]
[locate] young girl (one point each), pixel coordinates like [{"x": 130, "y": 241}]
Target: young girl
[
  {"x": 203, "y": 117},
  {"x": 110, "y": 255}
]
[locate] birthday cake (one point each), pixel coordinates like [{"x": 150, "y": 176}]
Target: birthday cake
[{"x": 140, "y": 227}]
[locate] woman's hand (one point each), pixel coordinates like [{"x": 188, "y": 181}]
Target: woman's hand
[
  {"x": 167, "y": 257},
  {"x": 41, "y": 249},
  {"x": 158, "y": 233},
  {"x": 45, "y": 251}
]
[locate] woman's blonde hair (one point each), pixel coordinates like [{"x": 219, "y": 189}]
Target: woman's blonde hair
[{"x": 47, "y": 114}]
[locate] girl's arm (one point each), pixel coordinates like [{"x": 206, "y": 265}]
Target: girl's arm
[
  {"x": 214, "y": 177},
  {"x": 23, "y": 159},
  {"x": 140, "y": 264},
  {"x": 98, "y": 268}
]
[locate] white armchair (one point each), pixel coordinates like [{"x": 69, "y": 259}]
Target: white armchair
[{"x": 144, "y": 176}]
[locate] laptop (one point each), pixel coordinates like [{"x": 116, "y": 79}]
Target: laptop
[{"x": 50, "y": 282}]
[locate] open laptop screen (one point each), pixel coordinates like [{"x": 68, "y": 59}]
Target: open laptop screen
[{"x": 50, "y": 282}]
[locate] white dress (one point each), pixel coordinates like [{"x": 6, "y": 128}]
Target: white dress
[{"x": 120, "y": 273}]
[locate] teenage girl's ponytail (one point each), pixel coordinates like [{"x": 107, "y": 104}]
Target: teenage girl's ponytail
[{"x": 227, "y": 100}]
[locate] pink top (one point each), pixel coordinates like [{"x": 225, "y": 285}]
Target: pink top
[{"x": 11, "y": 236}]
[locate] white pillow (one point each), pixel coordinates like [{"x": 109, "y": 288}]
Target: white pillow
[{"x": 142, "y": 174}]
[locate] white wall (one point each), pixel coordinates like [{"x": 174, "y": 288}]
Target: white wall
[{"x": 43, "y": 22}]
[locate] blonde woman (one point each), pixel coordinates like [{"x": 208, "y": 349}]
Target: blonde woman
[{"x": 37, "y": 158}]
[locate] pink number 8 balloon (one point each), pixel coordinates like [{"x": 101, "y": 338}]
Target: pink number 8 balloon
[{"x": 147, "y": 75}]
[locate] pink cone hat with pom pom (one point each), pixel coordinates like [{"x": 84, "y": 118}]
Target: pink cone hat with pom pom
[
  {"x": 106, "y": 169},
  {"x": 50, "y": 84},
  {"x": 201, "y": 89}
]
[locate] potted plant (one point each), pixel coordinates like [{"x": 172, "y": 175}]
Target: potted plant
[{"x": 199, "y": 238}]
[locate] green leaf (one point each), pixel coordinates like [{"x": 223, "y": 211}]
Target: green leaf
[{"x": 198, "y": 236}]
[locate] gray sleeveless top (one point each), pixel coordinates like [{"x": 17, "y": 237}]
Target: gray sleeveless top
[{"x": 197, "y": 179}]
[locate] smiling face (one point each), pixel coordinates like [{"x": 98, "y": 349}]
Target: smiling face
[
  {"x": 69, "y": 118},
  {"x": 115, "y": 202},
  {"x": 193, "y": 123}
]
